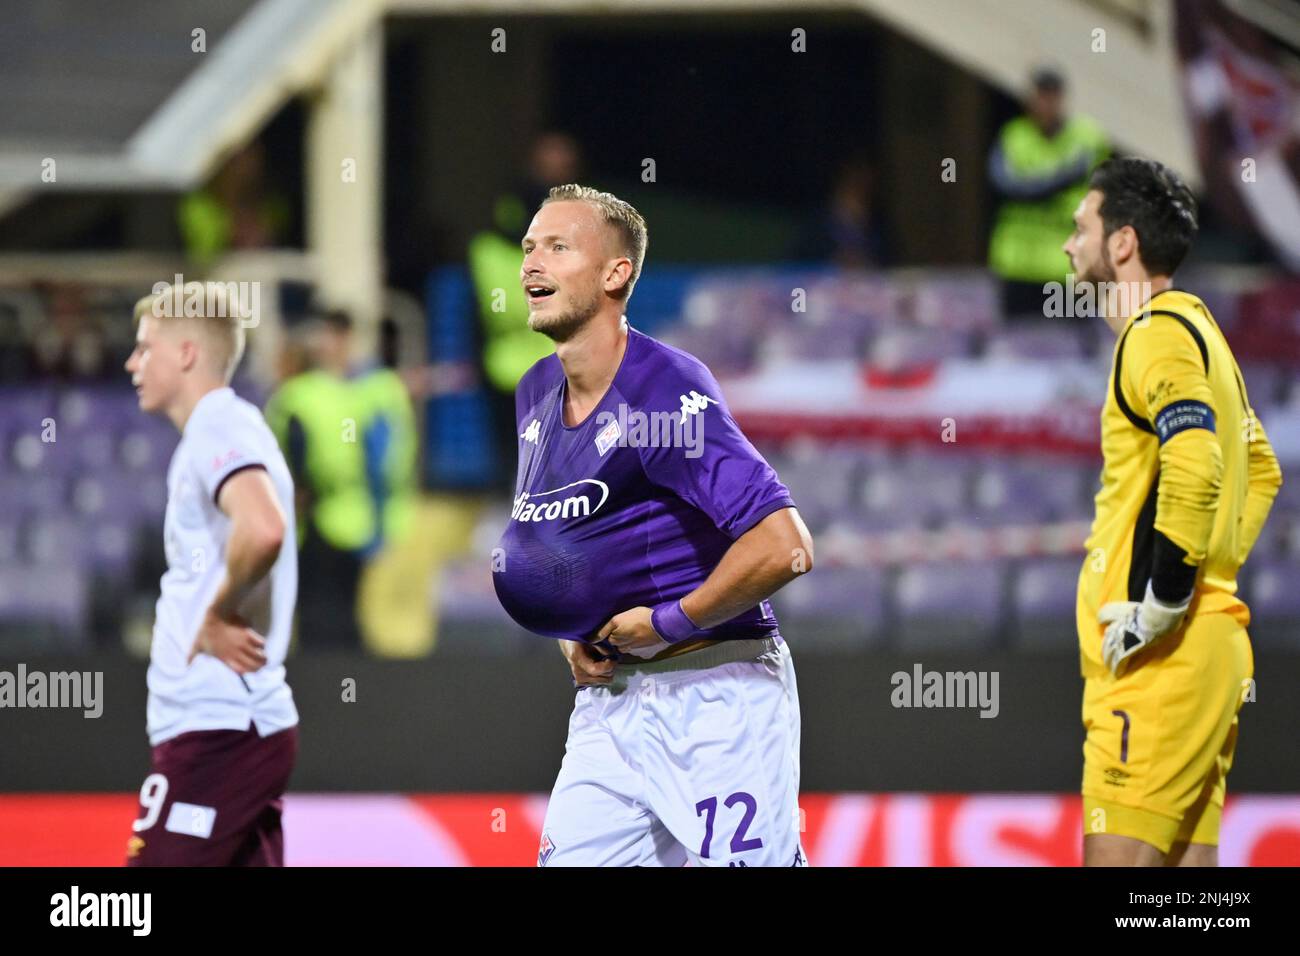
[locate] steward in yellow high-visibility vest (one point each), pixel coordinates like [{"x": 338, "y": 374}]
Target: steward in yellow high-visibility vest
[
  {"x": 1039, "y": 165},
  {"x": 319, "y": 418}
]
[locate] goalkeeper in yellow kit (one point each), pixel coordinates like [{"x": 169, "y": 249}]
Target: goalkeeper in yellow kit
[{"x": 1186, "y": 485}]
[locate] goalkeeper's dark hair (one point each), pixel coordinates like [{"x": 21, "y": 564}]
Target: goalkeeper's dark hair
[{"x": 1151, "y": 198}]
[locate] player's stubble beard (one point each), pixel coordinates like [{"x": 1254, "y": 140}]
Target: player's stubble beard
[
  {"x": 1101, "y": 276},
  {"x": 567, "y": 324}
]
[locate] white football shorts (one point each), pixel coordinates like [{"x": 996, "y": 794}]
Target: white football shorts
[{"x": 691, "y": 759}]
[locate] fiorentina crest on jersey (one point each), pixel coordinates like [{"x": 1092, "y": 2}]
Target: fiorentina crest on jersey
[
  {"x": 544, "y": 850},
  {"x": 608, "y": 438}
]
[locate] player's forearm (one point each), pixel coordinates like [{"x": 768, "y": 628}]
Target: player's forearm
[
  {"x": 251, "y": 552},
  {"x": 1264, "y": 483},
  {"x": 1191, "y": 478},
  {"x": 1024, "y": 187},
  {"x": 757, "y": 565}
]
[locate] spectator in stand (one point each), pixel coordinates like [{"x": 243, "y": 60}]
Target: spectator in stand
[
  {"x": 850, "y": 230},
  {"x": 1039, "y": 167},
  {"x": 510, "y": 347},
  {"x": 236, "y": 210},
  {"x": 318, "y": 417}
]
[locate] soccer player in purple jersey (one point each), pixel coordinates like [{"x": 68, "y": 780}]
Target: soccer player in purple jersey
[{"x": 647, "y": 534}]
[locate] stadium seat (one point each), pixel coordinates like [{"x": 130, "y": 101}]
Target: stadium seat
[
  {"x": 833, "y": 610},
  {"x": 1043, "y": 603},
  {"x": 949, "y": 605},
  {"x": 1016, "y": 493},
  {"x": 1275, "y": 603},
  {"x": 1266, "y": 385},
  {"x": 1046, "y": 341},
  {"x": 957, "y": 302},
  {"x": 42, "y": 609},
  {"x": 23, "y": 493}
]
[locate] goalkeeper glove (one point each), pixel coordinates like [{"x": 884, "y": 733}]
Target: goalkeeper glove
[{"x": 1133, "y": 626}]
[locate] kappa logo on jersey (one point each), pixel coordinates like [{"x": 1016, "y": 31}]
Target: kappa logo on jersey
[
  {"x": 695, "y": 403},
  {"x": 532, "y": 432},
  {"x": 544, "y": 850},
  {"x": 575, "y": 505},
  {"x": 608, "y": 438}
]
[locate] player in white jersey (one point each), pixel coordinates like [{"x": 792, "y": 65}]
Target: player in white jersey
[{"x": 221, "y": 718}]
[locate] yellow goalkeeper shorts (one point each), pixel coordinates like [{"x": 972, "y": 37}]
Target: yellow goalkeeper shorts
[{"x": 1160, "y": 738}]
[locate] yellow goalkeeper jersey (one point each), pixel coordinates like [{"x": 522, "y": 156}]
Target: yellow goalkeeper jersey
[{"x": 1183, "y": 454}]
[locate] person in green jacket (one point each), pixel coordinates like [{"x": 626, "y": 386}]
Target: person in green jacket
[
  {"x": 494, "y": 258},
  {"x": 391, "y": 447},
  {"x": 236, "y": 210},
  {"x": 1039, "y": 166},
  {"x": 319, "y": 417}
]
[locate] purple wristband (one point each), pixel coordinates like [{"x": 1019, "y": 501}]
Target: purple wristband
[{"x": 672, "y": 624}]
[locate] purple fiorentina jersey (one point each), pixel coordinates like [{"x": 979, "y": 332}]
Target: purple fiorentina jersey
[{"x": 634, "y": 506}]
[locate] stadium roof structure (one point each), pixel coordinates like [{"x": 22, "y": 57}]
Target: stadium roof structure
[
  {"x": 120, "y": 98},
  {"x": 134, "y": 96}
]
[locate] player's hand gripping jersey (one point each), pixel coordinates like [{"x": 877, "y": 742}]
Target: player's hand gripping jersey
[{"x": 633, "y": 506}]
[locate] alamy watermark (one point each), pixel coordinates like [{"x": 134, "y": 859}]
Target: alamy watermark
[
  {"x": 1087, "y": 300},
  {"x": 181, "y": 299},
  {"x": 922, "y": 688},
  {"x": 633, "y": 428},
  {"x": 74, "y": 908},
  {"x": 82, "y": 690}
]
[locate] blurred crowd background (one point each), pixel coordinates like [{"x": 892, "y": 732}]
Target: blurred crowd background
[{"x": 851, "y": 221}]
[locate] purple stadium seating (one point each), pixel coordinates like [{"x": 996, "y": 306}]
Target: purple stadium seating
[
  {"x": 50, "y": 596},
  {"x": 1052, "y": 340},
  {"x": 1043, "y": 601},
  {"x": 111, "y": 543},
  {"x": 833, "y": 610},
  {"x": 949, "y": 604},
  {"x": 1266, "y": 385},
  {"x": 1014, "y": 492},
  {"x": 1274, "y": 600},
  {"x": 960, "y": 302},
  {"x": 42, "y": 493},
  {"x": 11, "y": 527}
]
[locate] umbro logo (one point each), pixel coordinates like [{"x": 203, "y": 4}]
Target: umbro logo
[
  {"x": 694, "y": 403},
  {"x": 532, "y": 432}
]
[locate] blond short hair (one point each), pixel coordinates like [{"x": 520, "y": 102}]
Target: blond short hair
[
  {"x": 627, "y": 223},
  {"x": 214, "y": 307}
]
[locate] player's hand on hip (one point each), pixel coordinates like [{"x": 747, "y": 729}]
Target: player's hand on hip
[
  {"x": 231, "y": 641},
  {"x": 1133, "y": 626},
  {"x": 633, "y": 633},
  {"x": 588, "y": 667}
]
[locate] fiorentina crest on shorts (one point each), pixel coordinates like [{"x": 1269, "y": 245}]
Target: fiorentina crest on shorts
[{"x": 544, "y": 850}]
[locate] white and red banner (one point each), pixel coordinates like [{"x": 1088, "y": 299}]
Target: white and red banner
[
  {"x": 1243, "y": 102},
  {"x": 841, "y": 829}
]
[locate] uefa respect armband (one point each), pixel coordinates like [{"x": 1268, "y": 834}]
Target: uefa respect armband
[{"x": 1180, "y": 416}]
